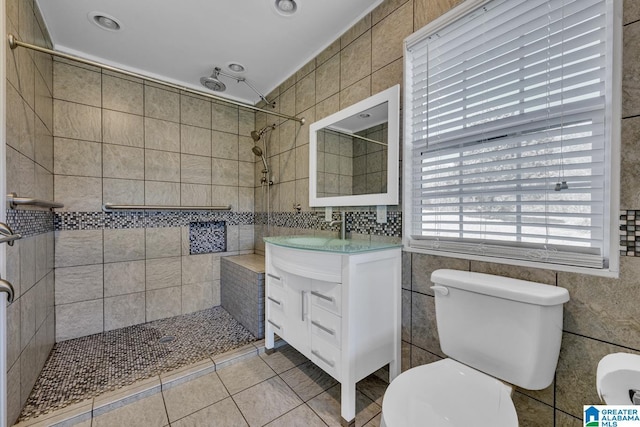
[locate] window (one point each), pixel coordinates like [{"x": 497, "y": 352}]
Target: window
[{"x": 512, "y": 133}]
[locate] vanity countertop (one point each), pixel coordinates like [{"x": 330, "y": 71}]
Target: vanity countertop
[{"x": 328, "y": 244}]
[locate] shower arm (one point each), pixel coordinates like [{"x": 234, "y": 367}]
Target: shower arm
[
  {"x": 245, "y": 81},
  {"x": 14, "y": 43}
]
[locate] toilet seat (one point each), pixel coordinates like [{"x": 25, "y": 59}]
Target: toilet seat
[{"x": 447, "y": 394}]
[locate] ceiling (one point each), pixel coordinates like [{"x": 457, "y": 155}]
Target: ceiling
[{"x": 180, "y": 41}]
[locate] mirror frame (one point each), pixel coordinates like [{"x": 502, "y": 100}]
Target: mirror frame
[{"x": 392, "y": 97}]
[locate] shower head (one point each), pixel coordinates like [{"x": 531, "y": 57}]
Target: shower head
[
  {"x": 256, "y": 135},
  {"x": 213, "y": 82},
  {"x": 258, "y": 152}
]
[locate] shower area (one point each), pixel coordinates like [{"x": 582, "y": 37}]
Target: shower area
[{"x": 110, "y": 289}]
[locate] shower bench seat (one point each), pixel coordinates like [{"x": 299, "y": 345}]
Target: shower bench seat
[{"x": 242, "y": 290}]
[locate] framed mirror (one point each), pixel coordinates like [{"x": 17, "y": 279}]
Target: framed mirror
[{"x": 353, "y": 154}]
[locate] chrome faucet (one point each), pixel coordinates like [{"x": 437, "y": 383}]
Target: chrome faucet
[{"x": 343, "y": 225}]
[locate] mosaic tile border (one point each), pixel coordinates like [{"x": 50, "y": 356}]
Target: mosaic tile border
[
  {"x": 30, "y": 222},
  {"x": 121, "y": 220},
  {"x": 361, "y": 222},
  {"x": 630, "y": 233}
]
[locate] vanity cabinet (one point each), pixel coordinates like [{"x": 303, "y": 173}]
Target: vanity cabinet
[{"x": 338, "y": 307}]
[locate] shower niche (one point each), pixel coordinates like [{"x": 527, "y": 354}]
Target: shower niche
[{"x": 353, "y": 154}]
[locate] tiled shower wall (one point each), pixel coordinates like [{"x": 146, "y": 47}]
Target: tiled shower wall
[
  {"x": 125, "y": 141},
  {"x": 600, "y": 318},
  {"x": 29, "y": 173}
]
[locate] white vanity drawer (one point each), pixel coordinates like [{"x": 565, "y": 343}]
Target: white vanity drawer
[
  {"x": 276, "y": 319},
  {"x": 274, "y": 278},
  {"x": 276, "y": 298},
  {"x": 311, "y": 264},
  {"x": 326, "y": 326},
  {"x": 327, "y": 295},
  {"x": 326, "y": 356}
]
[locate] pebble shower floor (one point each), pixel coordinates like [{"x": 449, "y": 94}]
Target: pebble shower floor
[{"x": 86, "y": 367}]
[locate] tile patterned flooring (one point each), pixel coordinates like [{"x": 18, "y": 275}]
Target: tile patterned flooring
[
  {"x": 87, "y": 367},
  {"x": 248, "y": 388}
]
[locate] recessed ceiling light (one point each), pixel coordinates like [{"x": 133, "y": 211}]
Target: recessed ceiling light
[
  {"x": 104, "y": 21},
  {"x": 235, "y": 67},
  {"x": 364, "y": 115},
  {"x": 286, "y": 7}
]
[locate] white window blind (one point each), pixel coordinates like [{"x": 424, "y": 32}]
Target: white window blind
[{"x": 507, "y": 124}]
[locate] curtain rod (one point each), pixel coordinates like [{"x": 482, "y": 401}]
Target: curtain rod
[{"x": 14, "y": 43}]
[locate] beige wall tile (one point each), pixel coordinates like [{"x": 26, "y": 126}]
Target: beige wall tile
[
  {"x": 43, "y": 146},
  {"x": 79, "y": 319},
  {"x": 44, "y": 103},
  {"x": 123, "y": 191},
  {"x": 354, "y": 32},
  {"x": 122, "y": 128},
  {"x": 163, "y": 303},
  {"x": 388, "y": 35},
  {"x": 163, "y": 242},
  {"x": 631, "y": 70},
  {"x": 122, "y": 95},
  {"x": 122, "y": 162},
  {"x": 225, "y": 145},
  {"x": 588, "y": 313},
  {"x": 124, "y": 310},
  {"x": 195, "y": 111},
  {"x": 163, "y": 273},
  {"x": 387, "y": 76},
  {"x": 75, "y": 157},
  {"x": 76, "y": 84},
  {"x": 424, "y": 332},
  {"x": 197, "y": 269},
  {"x": 630, "y": 158},
  {"x": 195, "y": 140},
  {"x": 423, "y": 265},
  {"x": 224, "y": 172},
  {"x": 78, "y": 248},
  {"x": 161, "y": 166},
  {"x": 385, "y": 9},
  {"x": 123, "y": 244},
  {"x": 162, "y": 193},
  {"x": 532, "y": 412},
  {"x": 195, "y": 194},
  {"x": 77, "y": 121},
  {"x": 329, "y": 52},
  {"x": 196, "y": 297},
  {"x": 81, "y": 283},
  {"x": 355, "y": 61},
  {"x": 121, "y": 278},
  {"x": 79, "y": 194},
  {"x": 161, "y": 104},
  {"x": 306, "y": 92},
  {"x": 328, "y": 78},
  {"x": 426, "y": 11},
  {"x": 631, "y": 11},
  {"x": 161, "y": 135},
  {"x": 224, "y": 118},
  {"x": 195, "y": 169},
  {"x": 355, "y": 93}
]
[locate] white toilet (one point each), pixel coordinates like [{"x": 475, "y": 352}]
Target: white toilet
[{"x": 489, "y": 326}]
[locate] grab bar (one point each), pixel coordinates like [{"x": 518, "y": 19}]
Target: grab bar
[
  {"x": 15, "y": 201},
  {"x": 108, "y": 207},
  {"x": 7, "y": 234},
  {"x": 6, "y": 287}
]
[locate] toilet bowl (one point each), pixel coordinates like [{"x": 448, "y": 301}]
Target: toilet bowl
[{"x": 447, "y": 394}]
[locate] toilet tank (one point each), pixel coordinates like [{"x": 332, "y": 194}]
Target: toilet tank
[{"x": 510, "y": 329}]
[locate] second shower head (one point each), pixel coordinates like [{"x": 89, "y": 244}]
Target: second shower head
[{"x": 257, "y": 134}]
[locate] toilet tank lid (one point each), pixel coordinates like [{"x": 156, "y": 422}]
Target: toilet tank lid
[{"x": 501, "y": 287}]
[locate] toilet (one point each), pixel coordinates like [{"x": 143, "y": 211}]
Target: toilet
[{"x": 496, "y": 331}]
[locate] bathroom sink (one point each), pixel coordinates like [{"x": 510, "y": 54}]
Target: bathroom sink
[{"x": 328, "y": 244}]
